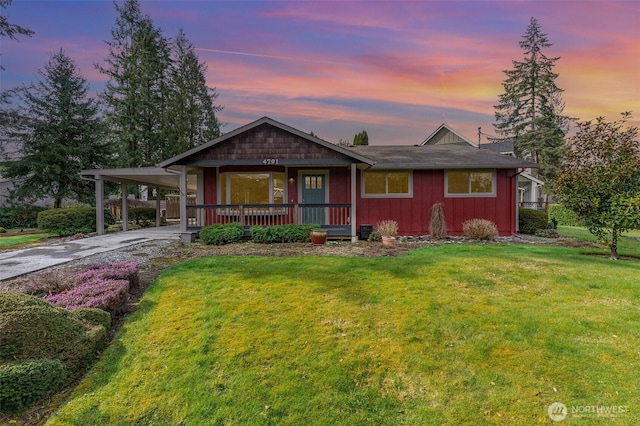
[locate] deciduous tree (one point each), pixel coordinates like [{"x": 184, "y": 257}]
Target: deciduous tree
[{"x": 600, "y": 178}]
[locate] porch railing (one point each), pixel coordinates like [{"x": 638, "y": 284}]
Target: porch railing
[
  {"x": 537, "y": 205},
  {"x": 325, "y": 215}
]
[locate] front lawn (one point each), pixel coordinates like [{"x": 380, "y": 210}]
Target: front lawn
[
  {"x": 628, "y": 243},
  {"x": 20, "y": 240},
  {"x": 455, "y": 334}
]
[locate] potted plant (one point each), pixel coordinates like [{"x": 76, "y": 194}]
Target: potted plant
[{"x": 388, "y": 229}]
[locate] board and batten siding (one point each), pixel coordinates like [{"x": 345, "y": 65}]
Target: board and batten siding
[{"x": 413, "y": 214}]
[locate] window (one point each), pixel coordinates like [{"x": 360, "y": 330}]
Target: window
[
  {"x": 386, "y": 184},
  {"x": 470, "y": 183},
  {"x": 252, "y": 188}
]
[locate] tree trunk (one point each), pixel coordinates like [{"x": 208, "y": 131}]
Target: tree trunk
[{"x": 614, "y": 245}]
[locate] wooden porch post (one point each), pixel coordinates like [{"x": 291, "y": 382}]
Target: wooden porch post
[
  {"x": 99, "y": 205},
  {"x": 354, "y": 234},
  {"x": 200, "y": 198},
  {"x": 125, "y": 207},
  {"x": 183, "y": 199},
  {"x": 158, "y": 219}
]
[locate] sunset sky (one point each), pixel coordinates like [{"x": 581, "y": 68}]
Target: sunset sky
[{"x": 396, "y": 69}]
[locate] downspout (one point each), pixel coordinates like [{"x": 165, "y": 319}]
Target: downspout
[{"x": 354, "y": 235}]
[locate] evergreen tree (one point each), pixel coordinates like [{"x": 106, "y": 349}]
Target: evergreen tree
[
  {"x": 529, "y": 112},
  {"x": 361, "y": 138},
  {"x": 137, "y": 92},
  {"x": 8, "y": 118},
  {"x": 10, "y": 30},
  {"x": 191, "y": 113},
  {"x": 61, "y": 133}
]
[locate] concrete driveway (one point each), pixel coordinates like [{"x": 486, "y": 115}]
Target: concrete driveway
[{"x": 14, "y": 263}]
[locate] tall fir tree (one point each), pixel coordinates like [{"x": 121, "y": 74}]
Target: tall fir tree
[
  {"x": 137, "y": 90},
  {"x": 191, "y": 113},
  {"x": 61, "y": 132},
  {"x": 530, "y": 111}
]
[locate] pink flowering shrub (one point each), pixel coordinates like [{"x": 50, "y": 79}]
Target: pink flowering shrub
[
  {"x": 102, "y": 286},
  {"x": 106, "y": 294},
  {"x": 116, "y": 271}
]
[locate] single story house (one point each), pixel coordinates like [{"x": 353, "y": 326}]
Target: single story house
[{"x": 268, "y": 173}]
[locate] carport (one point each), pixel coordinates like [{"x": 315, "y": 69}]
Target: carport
[{"x": 155, "y": 177}]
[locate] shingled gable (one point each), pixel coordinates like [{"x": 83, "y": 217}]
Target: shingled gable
[
  {"x": 266, "y": 140},
  {"x": 445, "y": 135}
]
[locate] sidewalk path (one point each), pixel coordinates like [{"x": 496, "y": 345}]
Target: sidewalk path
[{"x": 14, "y": 263}]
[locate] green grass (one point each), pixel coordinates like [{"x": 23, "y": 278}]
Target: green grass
[
  {"x": 18, "y": 241},
  {"x": 455, "y": 334},
  {"x": 628, "y": 244}
]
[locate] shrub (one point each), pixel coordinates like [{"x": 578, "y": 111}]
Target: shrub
[
  {"x": 222, "y": 234},
  {"x": 143, "y": 216},
  {"x": 72, "y": 220},
  {"x": 26, "y": 381},
  {"x": 48, "y": 282},
  {"x": 2, "y": 230},
  {"x": 531, "y": 220},
  {"x": 34, "y": 329},
  {"x": 94, "y": 316},
  {"x": 115, "y": 271},
  {"x": 564, "y": 216},
  {"x": 101, "y": 293},
  {"x": 480, "y": 229},
  {"x": 375, "y": 237},
  {"x": 438, "y": 225},
  {"x": 387, "y": 228},
  {"x": 282, "y": 233},
  {"x": 20, "y": 217}
]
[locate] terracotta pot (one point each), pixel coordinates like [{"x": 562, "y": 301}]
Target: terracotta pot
[
  {"x": 388, "y": 241},
  {"x": 318, "y": 237}
]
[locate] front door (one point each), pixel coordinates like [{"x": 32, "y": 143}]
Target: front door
[{"x": 313, "y": 192}]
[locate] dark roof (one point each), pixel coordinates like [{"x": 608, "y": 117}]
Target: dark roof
[
  {"x": 434, "y": 157},
  {"x": 502, "y": 147}
]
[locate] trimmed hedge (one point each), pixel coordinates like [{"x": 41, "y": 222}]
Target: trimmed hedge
[
  {"x": 143, "y": 216},
  {"x": 20, "y": 217},
  {"x": 42, "y": 347},
  {"x": 72, "y": 220},
  {"x": 564, "y": 216},
  {"x": 94, "y": 316},
  {"x": 24, "y": 382},
  {"x": 222, "y": 234},
  {"x": 282, "y": 233},
  {"x": 531, "y": 220}
]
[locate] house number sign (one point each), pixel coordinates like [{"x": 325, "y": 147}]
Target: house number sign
[{"x": 270, "y": 161}]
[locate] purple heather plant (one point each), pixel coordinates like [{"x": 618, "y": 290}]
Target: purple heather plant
[
  {"x": 105, "y": 294},
  {"x": 117, "y": 271}
]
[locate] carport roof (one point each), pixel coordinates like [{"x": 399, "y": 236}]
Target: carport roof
[{"x": 150, "y": 176}]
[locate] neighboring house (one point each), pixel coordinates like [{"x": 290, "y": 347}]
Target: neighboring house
[
  {"x": 529, "y": 187},
  {"x": 267, "y": 173}
]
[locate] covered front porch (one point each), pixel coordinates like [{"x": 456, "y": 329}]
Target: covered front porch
[{"x": 335, "y": 217}]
